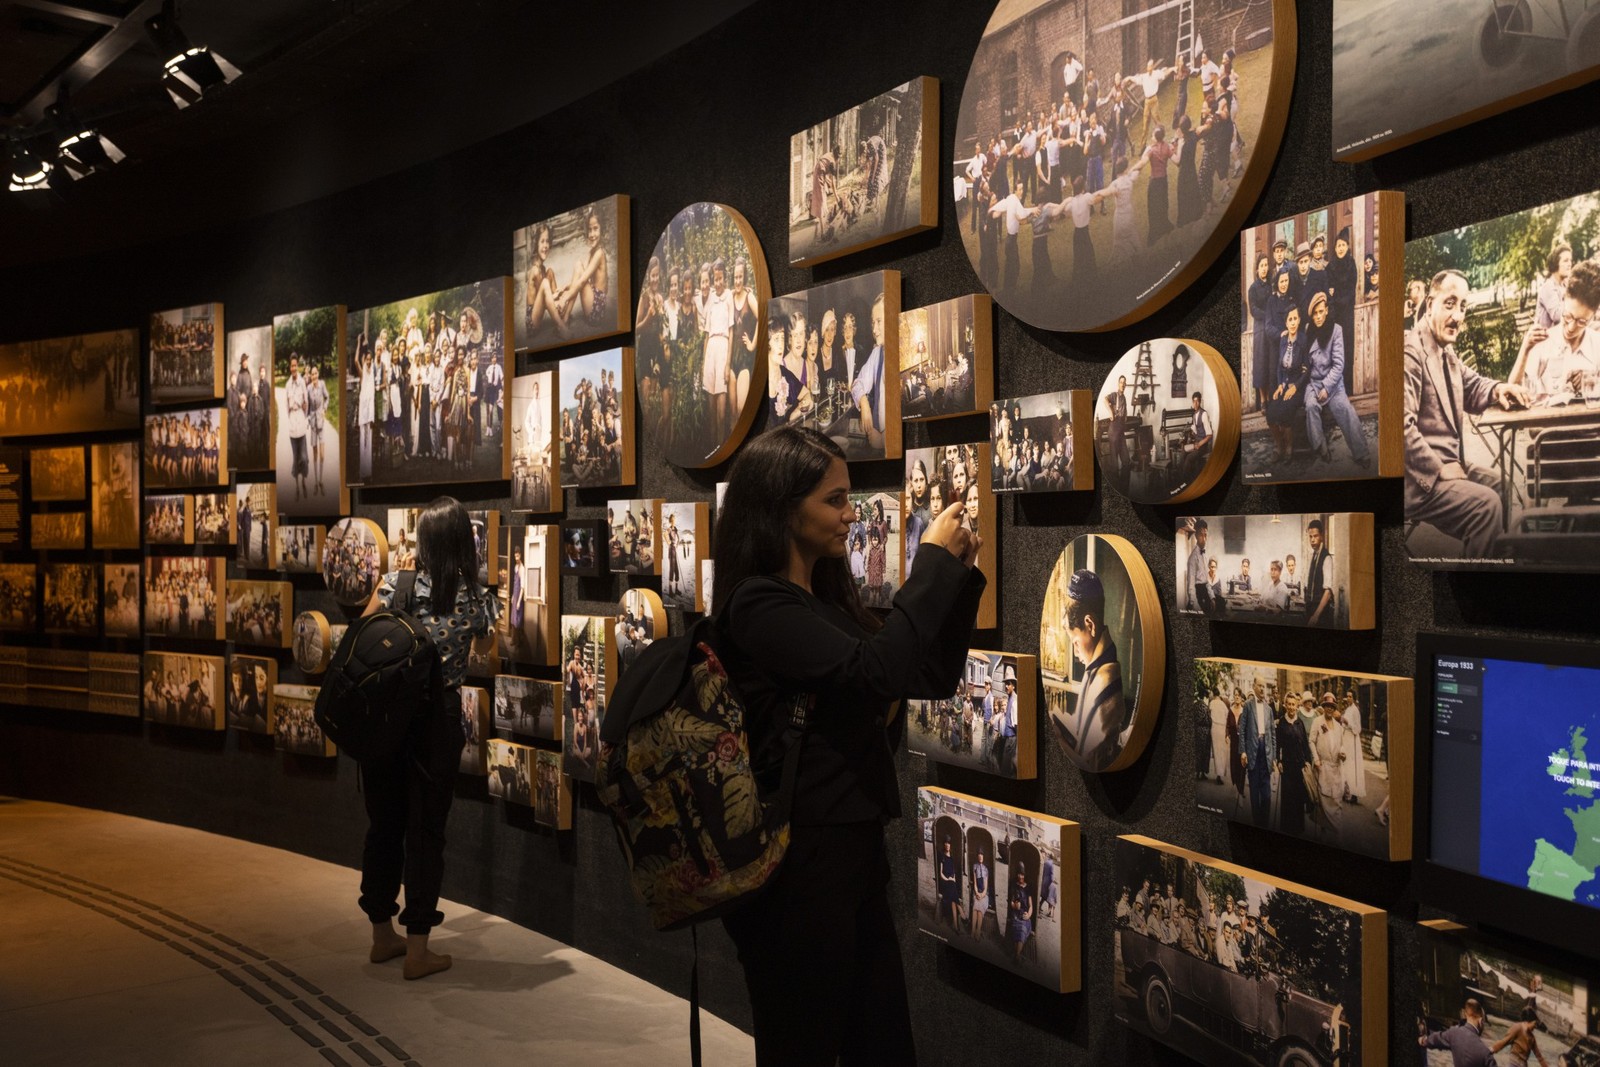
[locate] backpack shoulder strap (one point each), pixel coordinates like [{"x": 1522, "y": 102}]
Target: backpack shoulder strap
[{"x": 405, "y": 590}]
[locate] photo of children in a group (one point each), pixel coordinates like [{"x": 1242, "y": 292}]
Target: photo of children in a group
[
  {"x": 186, "y": 449},
  {"x": 989, "y": 883},
  {"x": 698, "y": 335},
  {"x": 1291, "y": 570},
  {"x": 596, "y": 426},
  {"x": 1155, "y": 421},
  {"x": 475, "y": 728},
  {"x": 858, "y": 177},
  {"x": 1211, "y": 940},
  {"x": 831, "y": 360},
  {"x": 72, "y": 599},
  {"x": 633, "y": 536},
  {"x": 255, "y": 519},
  {"x": 1112, "y": 157},
  {"x": 260, "y": 613},
  {"x": 584, "y": 689},
  {"x": 56, "y": 473},
  {"x": 570, "y": 276},
  {"x": 1301, "y": 752},
  {"x": 169, "y": 519},
  {"x": 1502, "y": 378},
  {"x": 183, "y": 596},
  {"x": 294, "y": 725},
  {"x": 183, "y": 690},
  {"x": 552, "y": 793},
  {"x": 940, "y": 372},
  {"x": 116, "y": 494},
  {"x": 300, "y": 549},
  {"x": 426, "y": 388},
  {"x": 875, "y": 549},
  {"x": 307, "y": 384},
  {"x": 1033, "y": 444},
  {"x": 527, "y": 706},
  {"x": 19, "y": 591},
  {"x": 683, "y": 538},
  {"x": 186, "y": 354},
  {"x": 354, "y": 554},
  {"x": 70, "y": 384},
  {"x": 250, "y": 402},
  {"x": 938, "y": 477},
  {"x": 250, "y": 683},
  {"x": 215, "y": 518},
  {"x": 59, "y": 529},
  {"x": 580, "y": 544},
  {"x": 510, "y": 772},
  {"x": 977, "y": 726},
  {"x": 641, "y": 618},
  {"x": 1308, "y": 370},
  {"x": 533, "y": 443},
  {"x": 120, "y": 599}
]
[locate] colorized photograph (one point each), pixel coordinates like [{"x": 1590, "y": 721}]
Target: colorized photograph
[
  {"x": 533, "y": 443},
  {"x": 939, "y": 477},
  {"x": 552, "y": 791},
  {"x": 186, "y": 449},
  {"x": 354, "y": 560},
  {"x": 119, "y": 599},
  {"x": 596, "y": 393},
  {"x": 72, "y": 599},
  {"x": 216, "y": 517},
  {"x": 584, "y": 679},
  {"x": 294, "y": 724},
  {"x": 641, "y": 619},
  {"x": 169, "y": 519},
  {"x": 114, "y": 492},
  {"x": 530, "y": 594},
  {"x": 300, "y": 549},
  {"x": 76, "y": 384},
  {"x": 947, "y": 358},
  {"x": 308, "y": 349},
  {"x": 184, "y": 596},
  {"x": 1035, "y": 443},
  {"x": 184, "y": 690},
  {"x": 876, "y": 549},
  {"x": 528, "y": 706},
  {"x": 255, "y": 519},
  {"x": 186, "y": 349},
  {"x": 570, "y": 276},
  {"x": 1159, "y": 422},
  {"x": 584, "y": 547},
  {"x": 250, "y": 402},
  {"x": 634, "y": 540},
  {"x": 685, "y": 535},
  {"x": 251, "y": 680},
  {"x": 1309, "y": 570},
  {"x": 56, "y": 474},
  {"x": 313, "y": 642},
  {"x": 988, "y": 723}
]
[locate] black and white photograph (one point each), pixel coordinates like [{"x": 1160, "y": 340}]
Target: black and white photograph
[
  {"x": 260, "y": 613},
  {"x": 475, "y": 728},
  {"x": 57, "y": 474},
  {"x": 250, "y": 402},
  {"x": 685, "y": 539},
  {"x": 584, "y": 547},
  {"x": 597, "y": 435},
  {"x": 1158, "y": 422},
  {"x": 585, "y": 659},
  {"x": 300, "y": 549},
  {"x": 1041, "y": 444},
  {"x": 294, "y": 724},
  {"x": 186, "y": 449},
  {"x": 308, "y": 349},
  {"x": 184, "y": 690},
  {"x": 72, "y": 599},
  {"x": 255, "y": 518},
  {"x": 169, "y": 519},
  {"x": 114, "y": 493},
  {"x": 59, "y": 529},
  {"x": 19, "y": 597},
  {"x": 533, "y": 443},
  {"x": 641, "y": 620},
  {"x": 635, "y": 537},
  {"x": 251, "y": 680},
  {"x": 988, "y": 724},
  {"x": 570, "y": 276},
  {"x": 216, "y": 517},
  {"x": 72, "y": 384},
  {"x": 186, "y": 349},
  {"x": 1313, "y": 570},
  {"x": 529, "y": 706},
  {"x": 552, "y": 791},
  {"x": 184, "y": 596},
  {"x": 354, "y": 560},
  {"x": 119, "y": 601},
  {"x": 875, "y": 549},
  {"x": 947, "y": 358},
  {"x": 511, "y": 772}
]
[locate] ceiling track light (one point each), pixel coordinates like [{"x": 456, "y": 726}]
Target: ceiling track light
[
  {"x": 191, "y": 70},
  {"x": 81, "y": 149},
  {"x": 30, "y": 173}
]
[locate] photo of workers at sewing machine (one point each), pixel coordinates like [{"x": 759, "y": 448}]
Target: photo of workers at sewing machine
[{"x": 1166, "y": 421}]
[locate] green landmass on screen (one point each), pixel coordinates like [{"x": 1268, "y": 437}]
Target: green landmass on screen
[{"x": 1555, "y": 873}]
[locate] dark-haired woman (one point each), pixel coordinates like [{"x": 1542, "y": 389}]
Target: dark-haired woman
[
  {"x": 818, "y": 944},
  {"x": 1189, "y": 203},
  {"x": 1262, "y": 340},
  {"x": 408, "y": 800},
  {"x": 1344, "y": 284}
]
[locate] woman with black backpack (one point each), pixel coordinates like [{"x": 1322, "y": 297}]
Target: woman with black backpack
[
  {"x": 818, "y": 944},
  {"x": 408, "y": 798}
]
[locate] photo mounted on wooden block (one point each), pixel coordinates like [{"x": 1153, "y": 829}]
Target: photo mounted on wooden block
[
  {"x": 511, "y": 772},
  {"x": 641, "y": 621},
  {"x": 530, "y": 706},
  {"x": 1502, "y": 457},
  {"x": 1102, "y": 652},
  {"x": 294, "y": 726},
  {"x": 954, "y": 474},
  {"x": 1079, "y": 137},
  {"x": 59, "y": 529},
  {"x": 530, "y": 595},
  {"x": 114, "y": 493},
  {"x": 119, "y": 599},
  {"x": 299, "y": 549},
  {"x": 355, "y": 557},
  {"x": 1042, "y": 443},
  {"x": 169, "y": 519},
  {"x": 402, "y": 540},
  {"x": 698, "y": 335},
  {"x": 216, "y": 517},
  {"x": 475, "y": 728},
  {"x": 635, "y": 526},
  {"x": 1001, "y": 884},
  {"x": 1320, "y": 367},
  {"x": 533, "y": 443},
  {"x": 72, "y": 599},
  {"x": 876, "y": 549},
  {"x": 589, "y": 662},
  {"x": 989, "y": 723},
  {"x": 483, "y": 664},
  {"x": 185, "y": 596},
  {"x": 685, "y": 544},
  {"x": 19, "y": 597},
  {"x": 584, "y": 547},
  {"x": 251, "y": 680},
  {"x": 1400, "y": 77},
  {"x": 832, "y": 356},
  {"x": 552, "y": 791},
  {"x": 947, "y": 359},
  {"x": 186, "y": 449},
  {"x": 308, "y": 381},
  {"x": 255, "y": 522},
  {"x": 708, "y": 570},
  {"x": 443, "y": 355},
  {"x": 82, "y": 383},
  {"x": 57, "y": 474},
  {"x": 186, "y": 355},
  {"x": 115, "y": 680},
  {"x": 250, "y": 399},
  {"x": 260, "y": 613},
  {"x": 313, "y": 642},
  {"x": 1166, "y": 423},
  {"x": 185, "y": 690},
  {"x": 597, "y": 427},
  {"x": 1317, "y": 754},
  {"x": 571, "y": 276},
  {"x": 1313, "y": 570}
]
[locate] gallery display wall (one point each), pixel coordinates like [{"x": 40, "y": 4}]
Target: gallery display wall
[{"x": 651, "y": 137}]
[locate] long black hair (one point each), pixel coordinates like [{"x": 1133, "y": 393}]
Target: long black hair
[
  {"x": 445, "y": 549},
  {"x": 772, "y": 476}
]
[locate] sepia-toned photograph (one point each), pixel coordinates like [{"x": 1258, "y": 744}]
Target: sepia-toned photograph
[
  {"x": 19, "y": 595},
  {"x": 1311, "y": 570},
  {"x": 300, "y": 549},
  {"x": 530, "y": 595},
  {"x": 947, "y": 358},
  {"x": 475, "y": 728},
  {"x": 56, "y": 473},
  {"x": 511, "y": 772},
  {"x": 169, "y": 519},
  {"x": 184, "y": 596},
  {"x": 115, "y": 494},
  {"x": 75, "y": 384},
  {"x": 641, "y": 619},
  {"x": 250, "y": 402},
  {"x": 585, "y": 658},
  {"x": 71, "y": 599},
  {"x": 528, "y": 706},
  {"x": 260, "y": 613},
  {"x": 552, "y": 791},
  {"x": 255, "y": 517},
  {"x": 59, "y": 529},
  {"x": 1037, "y": 443},
  {"x": 583, "y": 547},
  {"x": 186, "y": 449},
  {"x": 1160, "y": 426},
  {"x": 597, "y": 444},
  {"x": 355, "y": 557},
  {"x": 988, "y": 724},
  {"x": 294, "y": 723},
  {"x": 119, "y": 599},
  {"x": 251, "y": 680},
  {"x": 313, "y": 642},
  {"x": 571, "y": 274},
  {"x": 114, "y": 683},
  {"x": 184, "y": 690},
  {"x": 186, "y": 349},
  {"x": 875, "y": 549},
  {"x": 953, "y": 474},
  {"x": 685, "y": 541},
  {"x": 533, "y": 443},
  {"x": 216, "y": 517},
  {"x": 634, "y": 537},
  {"x": 308, "y": 349},
  {"x": 1001, "y": 884}
]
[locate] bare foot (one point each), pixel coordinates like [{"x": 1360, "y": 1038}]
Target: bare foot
[
  {"x": 387, "y": 944},
  {"x": 420, "y": 966}
]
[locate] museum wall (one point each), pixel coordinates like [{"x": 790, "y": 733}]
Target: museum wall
[{"x": 712, "y": 121}]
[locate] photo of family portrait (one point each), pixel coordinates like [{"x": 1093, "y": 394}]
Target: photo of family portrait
[
  {"x": 588, "y": 662},
  {"x": 355, "y": 558},
  {"x": 184, "y": 690},
  {"x": 571, "y": 276},
  {"x": 685, "y": 535},
  {"x": 186, "y": 349},
  {"x": 114, "y": 492},
  {"x": 1036, "y": 443},
  {"x": 947, "y": 358},
  {"x": 251, "y": 680},
  {"x": 56, "y": 473},
  {"x": 944, "y": 475},
  {"x": 988, "y": 723},
  {"x": 308, "y": 350},
  {"x": 74, "y": 384},
  {"x": 294, "y": 724},
  {"x": 597, "y": 444},
  {"x": 875, "y": 548},
  {"x": 1166, "y": 422},
  {"x": 250, "y": 403},
  {"x": 1313, "y": 570},
  {"x": 186, "y": 449},
  {"x": 72, "y": 599},
  {"x": 533, "y": 443},
  {"x": 184, "y": 596}
]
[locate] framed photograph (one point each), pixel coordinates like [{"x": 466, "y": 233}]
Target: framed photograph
[
  {"x": 641, "y": 619},
  {"x": 184, "y": 596},
  {"x": 589, "y": 661},
  {"x": 1102, "y": 652},
  {"x": 300, "y": 549},
  {"x": 1320, "y": 344},
  {"x": 552, "y": 791},
  {"x": 597, "y": 442},
  {"x": 572, "y": 276},
  {"x": 866, "y": 176},
  {"x": 530, "y": 595},
  {"x": 216, "y": 517},
  {"x": 533, "y": 443},
  {"x": 313, "y": 642},
  {"x": 85, "y": 383},
  {"x": 1337, "y": 745},
  {"x": 19, "y": 597},
  {"x": 1001, "y": 884},
  {"x": 989, "y": 723},
  {"x": 485, "y": 537},
  {"x": 584, "y": 547},
  {"x": 1284, "y": 966},
  {"x": 529, "y": 706},
  {"x": 443, "y": 355},
  {"x": 1399, "y": 78},
  {"x": 355, "y": 557},
  {"x": 186, "y": 449},
  {"x": 876, "y": 549},
  {"x": 829, "y": 357},
  {"x": 114, "y": 683},
  {"x": 1314, "y": 570},
  {"x": 294, "y": 726},
  {"x": 120, "y": 599},
  {"x": 1042, "y": 443},
  {"x": 251, "y": 681},
  {"x": 169, "y": 519},
  {"x": 181, "y": 689},
  {"x": 260, "y": 613},
  {"x": 947, "y": 359},
  {"x": 72, "y": 599},
  {"x": 186, "y": 350},
  {"x": 698, "y": 335},
  {"x": 685, "y": 537},
  {"x": 250, "y": 401},
  {"x": 255, "y": 519},
  {"x": 511, "y": 772},
  {"x": 56, "y": 473},
  {"x": 938, "y": 477},
  {"x": 1167, "y": 421},
  {"x": 59, "y": 529},
  {"x": 114, "y": 494},
  {"x": 475, "y": 728},
  {"x": 308, "y": 380},
  {"x": 635, "y": 540},
  {"x": 1079, "y": 138}
]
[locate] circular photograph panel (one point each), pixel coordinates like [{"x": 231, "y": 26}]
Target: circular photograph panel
[
  {"x": 1102, "y": 652},
  {"x": 1166, "y": 421},
  {"x": 313, "y": 642},
  {"x": 354, "y": 556},
  {"x": 1102, "y": 163},
  {"x": 700, "y": 324},
  {"x": 641, "y": 619}
]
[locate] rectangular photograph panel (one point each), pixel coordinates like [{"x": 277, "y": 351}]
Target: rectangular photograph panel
[
  {"x": 72, "y": 599},
  {"x": 169, "y": 519},
  {"x": 529, "y": 706},
  {"x": 115, "y": 494},
  {"x": 685, "y": 541},
  {"x": 294, "y": 725},
  {"x": 215, "y": 520},
  {"x": 1219, "y": 961},
  {"x": 990, "y": 722},
  {"x": 59, "y": 529},
  {"x": 120, "y": 599},
  {"x": 876, "y": 550},
  {"x": 1312, "y": 570},
  {"x": 250, "y": 402},
  {"x": 530, "y": 595},
  {"x": 475, "y": 728},
  {"x": 552, "y": 791},
  {"x": 308, "y": 358},
  {"x": 947, "y": 358},
  {"x": 260, "y": 613},
  {"x": 588, "y": 661},
  {"x": 186, "y": 449},
  {"x": 251, "y": 681},
  {"x": 584, "y": 547},
  {"x": 866, "y": 176},
  {"x": 57, "y": 473},
  {"x": 1322, "y": 755},
  {"x": 597, "y": 425},
  {"x": 1001, "y": 884},
  {"x": 948, "y": 474},
  {"x": 184, "y": 597},
  {"x": 1042, "y": 443},
  {"x": 511, "y": 772},
  {"x": 635, "y": 546},
  {"x": 255, "y": 520},
  {"x": 76, "y": 384},
  {"x": 181, "y": 689},
  {"x": 19, "y": 597},
  {"x": 533, "y": 443},
  {"x": 186, "y": 350},
  {"x": 571, "y": 276},
  {"x": 300, "y": 549}
]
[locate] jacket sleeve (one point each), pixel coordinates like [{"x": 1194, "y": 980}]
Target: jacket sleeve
[
  {"x": 1422, "y": 462},
  {"x": 946, "y": 656}
]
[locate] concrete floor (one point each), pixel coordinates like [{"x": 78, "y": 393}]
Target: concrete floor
[{"x": 135, "y": 942}]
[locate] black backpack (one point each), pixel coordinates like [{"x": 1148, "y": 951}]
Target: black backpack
[{"x": 383, "y": 679}]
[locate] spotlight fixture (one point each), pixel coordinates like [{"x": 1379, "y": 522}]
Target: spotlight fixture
[
  {"x": 29, "y": 172},
  {"x": 190, "y": 70},
  {"x": 87, "y": 151}
]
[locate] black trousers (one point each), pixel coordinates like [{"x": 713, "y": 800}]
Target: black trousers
[
  {"x": 821, "y": 957},
  {"x": 408, "y": 803}
]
